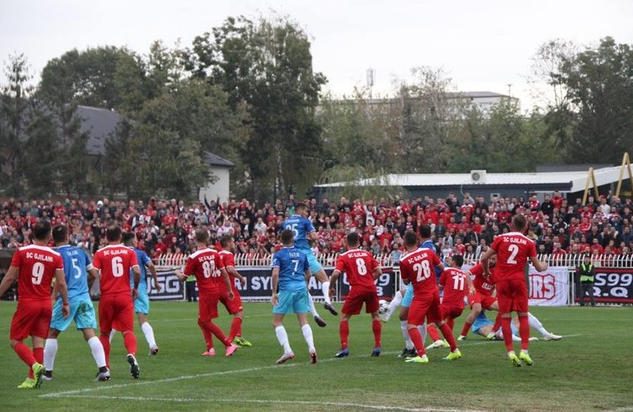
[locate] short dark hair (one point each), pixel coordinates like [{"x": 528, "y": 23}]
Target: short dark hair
[
  {"x": 113, "y": 233},
  {"x": 425, "y": 231},
  {"x": 410, "y": 238},
  {"x": 202, "y": 236},
  {"x": 59, "y": 233},
  {"x": 458, "y": 259},
  {"x": 225, "y": 240},
  {"x": 519, "y": 222},
  {"x": 287, "y": 236},
  {"x": 127, "y": 238},
  {"x": 300, "y": 206},
  {"x": 42, "y": 229},
  {"x": 353, "y": 239}
]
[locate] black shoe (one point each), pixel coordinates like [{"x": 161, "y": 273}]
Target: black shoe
[
  {"x": 329, "y": 307},
  {"x": 135, "y": 371},
  {"x": 319, "y": 321},
  {"x": 404, "y": 353},
  {"x": 103, "y": 375}
]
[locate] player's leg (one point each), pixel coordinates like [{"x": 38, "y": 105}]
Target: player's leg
[
  {"x": 125, "y": 320},
  {"x": 416, "y": 315},
  {"x": 536, "y": 324},
  {"x": 96, "y": 348},
  {"x": 212, "y": 313},
  {"x": 474, "y": 302},
  {"x": 50, "y": 352},
  {"x": 234, "y": 307},
  {"x": 300, "y": 305},
  {"x": 504, "y": 299},
  {"x": 141, "y": 307},
  {"x": 350, "y": 307},
  {"x": 371, "y": 307},
  {"x": 279, "y": 312},
  {"x": 393, "y": 305},
  {"x": 317, "y": 319},
  {"x": 59, "y": 323},
  {"x": 321, "y": 276}
]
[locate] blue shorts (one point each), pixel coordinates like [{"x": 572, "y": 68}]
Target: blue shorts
[
  {"x": 408, "y": 296},
  {"x": 81, "y": 311},
  {"x": 292, "y": 301},
  {"x": 141, "y": 303},
  {"x": 480, "y": 322},
  {"x": 315, "y": 266}
]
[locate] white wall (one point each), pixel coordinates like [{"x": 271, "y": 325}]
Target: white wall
[{"x": 218, "y": 189}]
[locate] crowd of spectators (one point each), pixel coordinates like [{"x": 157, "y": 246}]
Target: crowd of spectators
[{"x": 463, "y": 225}]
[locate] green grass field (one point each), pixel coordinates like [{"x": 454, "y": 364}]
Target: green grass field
[{"x": 591, "y": 369}]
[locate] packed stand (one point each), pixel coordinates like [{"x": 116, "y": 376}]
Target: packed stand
[{"x": 463, "y": 226}]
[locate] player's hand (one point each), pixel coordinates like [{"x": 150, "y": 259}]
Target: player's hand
[
  {"x": 134, "y": 293},
  {"x": 274, "y": 300},
  {"x": 472, "y": 291},
  {"x": 332, "y": 292},
  {"x": 65, "y": 310},
  {"x": 231, "y": 295},
  {"x": 157, "y": 287},
  {"x": 243, "y": 281}
]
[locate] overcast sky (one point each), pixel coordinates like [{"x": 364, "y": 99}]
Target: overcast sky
[{"x": 482, "y": 45}]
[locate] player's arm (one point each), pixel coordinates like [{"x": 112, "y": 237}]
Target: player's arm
[
  {"x": 92, "y": 276},
  {"x": 180, "y": 275},
  {"x": 9, "y": 278},
  {"x": 376, "y": 273},
  {"x": 60, "y": 284},
  {"x": 227, "y": 282},
  {"x": 333, "y": 280},
  {"x": 538, "y": 265},
  {"x": 275, "y": 285},
  {"x": 313, "y": 236},
  {"x": 233, "y": 272},
  {"x": 484, "y": 260},
  {"x": 470, "y": 284},
  {"x": 136, "y": 271},
  {"x": 152, "y": 269}
]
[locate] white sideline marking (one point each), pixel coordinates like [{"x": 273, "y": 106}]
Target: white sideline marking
[
  {"x": 186, "y": 377},
  {"x": 269, "y": 402}
]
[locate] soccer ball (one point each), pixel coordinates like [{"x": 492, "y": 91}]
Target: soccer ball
[{"x": 383, "y": 306}]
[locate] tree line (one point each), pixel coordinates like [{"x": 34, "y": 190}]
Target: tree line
[{"x": 246, "y": 91}]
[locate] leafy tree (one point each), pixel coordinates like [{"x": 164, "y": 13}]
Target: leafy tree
[
  {"x": 432, "y": 121},
  {"x": 596, "y": 113},
  {"x": 266, "y": 68},
  {"x": 14, "y": 110}
]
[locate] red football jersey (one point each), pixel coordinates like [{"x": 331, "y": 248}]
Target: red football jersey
[
  {"x": 115, "y": 262},
  {"x": 37, "y": 265},
  {"x": 359, "y": 266},
  {"x": 205, "y": 264},
  {"x": 454, "y": 282},
  {"x": 482, "y": 285},
  {"x": 419, "y": 267},
  {"x": 228, "y": 260},
  {"x": 513, "y": 250}
]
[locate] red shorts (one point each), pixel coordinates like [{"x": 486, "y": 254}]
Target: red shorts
[
  {"x": 425, "y": 306},
  {"x": 232, "y": 306},
  {"x": 116, "y": 312},
  {"x": 512, "y": 295},
  {"x": 31, "y": 318},
  {"x": 451, "y": 311},
  {"x": 208, "y": 305},
  {"x": 486, "y": 301},
  {"x": 354, "y": 302}
]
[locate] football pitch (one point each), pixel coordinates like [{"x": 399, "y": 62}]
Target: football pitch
[{"x": 590, "y": 369}]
